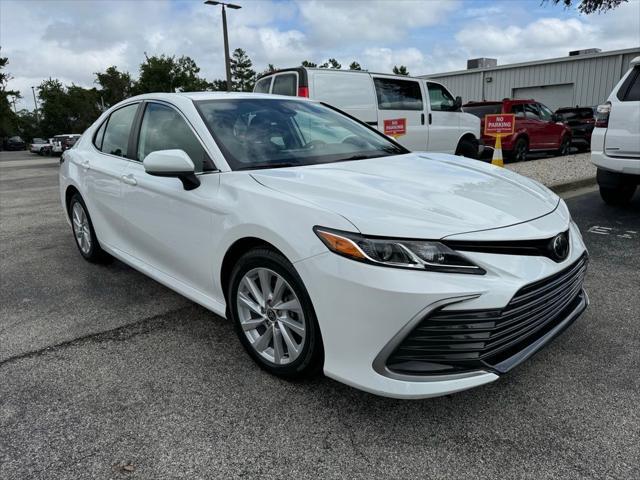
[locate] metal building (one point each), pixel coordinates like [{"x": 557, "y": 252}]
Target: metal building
[{"x": 585, "y": 78}]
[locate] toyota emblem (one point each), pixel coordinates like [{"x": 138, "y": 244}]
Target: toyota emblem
[{"x": 560, "y": 246}]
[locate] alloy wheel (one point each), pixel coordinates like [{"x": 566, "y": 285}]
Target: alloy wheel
[
  {"x": 81, "y": 229},
  {"x": 271, "y": 316},
  {"x": 521, "y": 152}
]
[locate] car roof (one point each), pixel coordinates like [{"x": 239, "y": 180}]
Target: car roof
[{"x": 198, "y": 96}]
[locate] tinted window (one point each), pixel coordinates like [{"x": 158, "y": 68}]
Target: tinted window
[
  {"x": 481, "y": 110},
  {"x": 532, "y": 111},
  {"x": 116, "y": 134},
  {"x": 440, "y": 98},
  {"x": 575, "y": 114},
  {"x": 518, "y": 110},
  {"x": 396, "y": 94},
  {"x": 271, "y": 133},
  {"x": 285, "y": 85},
  {"x": 545, "y": 113},
  {"x": 263, "y": 85},
  {"x": 163, "y": 128},
  {"x": 97, "y": 140},
  {"x": 633, "y": 90}
]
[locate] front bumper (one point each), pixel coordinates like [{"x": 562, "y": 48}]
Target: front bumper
[{"x": 364, "y": 311}]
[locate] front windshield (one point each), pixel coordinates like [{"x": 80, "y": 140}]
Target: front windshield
[{"x": 271, "y": 133}]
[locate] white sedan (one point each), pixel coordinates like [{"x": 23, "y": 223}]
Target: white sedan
[{"x": 330, "y": 246}]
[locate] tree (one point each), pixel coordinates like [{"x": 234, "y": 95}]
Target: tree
[
  {"x": 157, "y": 74},
  {"x": 186, "y": 76},
  {"x": 243, "y": 77},
  {"x": 355, "y": 66},
  {"x": 401, "y": 70},
  {"x": 8, "y": 118},
  {"x": 591, "y": 6},
  {"x": 115, "y": 86},
  {"x": 66, "y": 109},
  {"x": 308, "y": 64},
  {"x": 331, "y": 63},
  {"x": 219, "y": 85}
]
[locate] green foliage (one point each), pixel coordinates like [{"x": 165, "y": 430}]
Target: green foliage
[
  {"x": 168, "y": 74},
  {"x": 8, "y": 118},
  {"x": 69, "y": 109},
  {"x": 243, "y": 77},
  {"x": 331, "y": 63},
  {"x": 115, "y": 86},
  {"x": 308, "y": 64},
  {"x": 401, "y": 70},
  {"x": 591, "y": 6},
  {"x": 355, "y": 66}
]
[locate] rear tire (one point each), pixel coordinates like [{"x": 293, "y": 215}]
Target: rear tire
[
  {"x": 83, "y": 232},
  {"x": 261, "y": 324},
  {"x": 617, "y": 196}
]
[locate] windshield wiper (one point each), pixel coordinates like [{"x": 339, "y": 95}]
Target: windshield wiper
[{"x": 269, "y": 165}]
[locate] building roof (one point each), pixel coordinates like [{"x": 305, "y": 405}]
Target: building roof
[{"x": 535, "y": 62}]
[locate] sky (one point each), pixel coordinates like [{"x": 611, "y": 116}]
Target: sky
[{"x": 72, "y": 39}]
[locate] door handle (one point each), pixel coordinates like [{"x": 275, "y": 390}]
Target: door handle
[
  {"x": 129, "y": 179},
  {"x": 422, "y": 119},
  {"x": 430, "y": 119}
]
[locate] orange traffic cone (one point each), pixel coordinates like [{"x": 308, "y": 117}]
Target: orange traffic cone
[{"x": 497, "y": 153}]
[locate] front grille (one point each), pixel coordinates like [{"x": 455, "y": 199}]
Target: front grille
[{"x": 455, "y": 341}]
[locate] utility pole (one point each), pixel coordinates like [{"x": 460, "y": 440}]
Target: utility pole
[
  {"x": 227, "y": 60},
  {"x": 35, "y": 102}
]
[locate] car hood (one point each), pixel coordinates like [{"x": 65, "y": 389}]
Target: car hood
[{"x": 417, "y": 195}]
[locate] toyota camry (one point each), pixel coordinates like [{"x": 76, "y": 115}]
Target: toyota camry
[{"x": 328, "y": 245}]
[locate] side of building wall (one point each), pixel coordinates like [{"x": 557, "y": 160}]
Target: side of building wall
[{"x": 592, "y": 79}]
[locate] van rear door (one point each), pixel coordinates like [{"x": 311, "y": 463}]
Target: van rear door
[
  {"x": 443, "y": 119},
  {"x": 401, "y": 110},
  {"x": 351, "y": 92}
]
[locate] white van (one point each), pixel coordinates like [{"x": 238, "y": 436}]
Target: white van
[
  {"x": 420, "y": 114},
  {"x": 615, "y": 141}
]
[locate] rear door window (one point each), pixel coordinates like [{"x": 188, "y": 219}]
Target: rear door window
[
  {"x": 117, "y": 131},
  {"x": 439, "y": 97},
  {"x": 632, "y": 90},
  {"x": 518, "y": 110},
  {"x": 285, "y": 84},
  {"x": 545, "y": 113},
  {"x": 263, "y": 85},
  {"x": 396, "y": 94}
]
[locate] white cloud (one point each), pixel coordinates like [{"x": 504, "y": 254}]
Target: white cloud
[
  {"x": 71, "y": 40},
  {"x": 552, "y": 37},
  {"x": 333, "y": 22}
]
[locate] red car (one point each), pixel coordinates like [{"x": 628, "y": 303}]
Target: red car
[{"x": 537, "y": 128}]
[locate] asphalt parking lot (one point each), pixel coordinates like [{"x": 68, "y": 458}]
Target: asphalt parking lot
[{"x": 105, "y": 373}]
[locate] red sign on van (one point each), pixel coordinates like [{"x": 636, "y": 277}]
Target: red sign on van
[
  {"x": 501, "y": 123},
  {"x": 395, "y": 127}
]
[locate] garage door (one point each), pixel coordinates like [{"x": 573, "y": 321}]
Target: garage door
[{"x": 553, "y": 96}]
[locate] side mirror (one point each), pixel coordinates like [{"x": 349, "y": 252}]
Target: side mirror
[
  {"x": 457, "y": 104},
  {"x": 172, "y": 163}
]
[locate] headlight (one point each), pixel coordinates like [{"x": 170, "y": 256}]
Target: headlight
[{"x": 399, "y": 253}]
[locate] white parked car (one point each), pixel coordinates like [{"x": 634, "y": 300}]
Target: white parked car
[
  {"x": 40, "y": 146},
  {"x": 329, "y": 245},
  {"x": 421, "y": 115},
  {"x": 615, "y": 142},
  {"x": 61, "y": 143}
]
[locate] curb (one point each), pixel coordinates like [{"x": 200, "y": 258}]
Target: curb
[{"x": 565, "y": 187}]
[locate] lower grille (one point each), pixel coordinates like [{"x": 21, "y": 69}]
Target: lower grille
[{"x": 456, "y": 341}]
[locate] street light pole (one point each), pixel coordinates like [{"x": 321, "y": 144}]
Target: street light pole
[
  {"x": 227, "y": 60},
  {"x": 35, "y": 103}
]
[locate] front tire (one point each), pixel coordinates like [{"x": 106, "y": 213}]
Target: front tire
[
  {"x": 273, "y": 315},
  {"x": 617, "y": 196},
  {"x": 520, "y": 151},
  {"x": 565, "y": 147},
  {"x": 468, "y": 148},
  {"x": 83, "y": 232}
]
